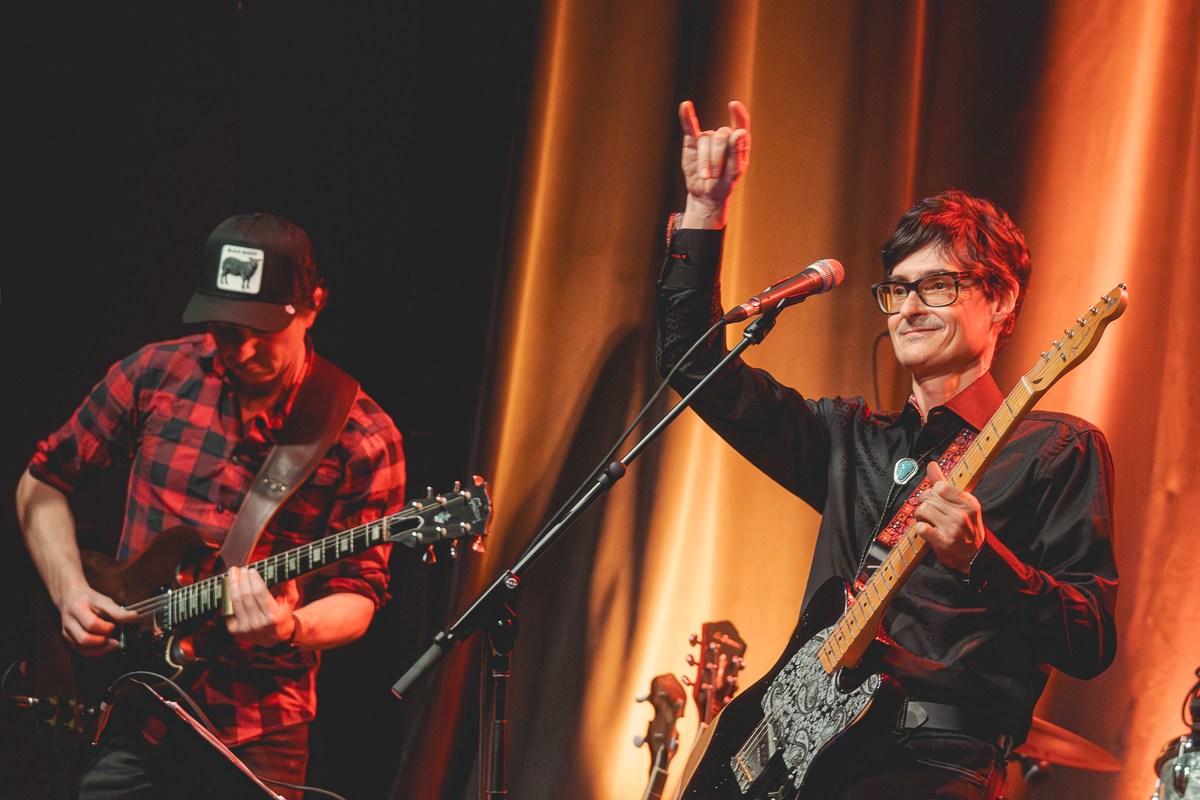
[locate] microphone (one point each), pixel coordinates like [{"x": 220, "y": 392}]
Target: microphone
[{"x": 818, "y": 278}]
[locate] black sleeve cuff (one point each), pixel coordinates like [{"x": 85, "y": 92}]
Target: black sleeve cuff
[
  {"x": 997, "y": 574},
  {"x": 693, "y": 259}
]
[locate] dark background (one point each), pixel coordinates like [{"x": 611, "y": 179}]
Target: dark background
[{"x": 388, "y": 132}]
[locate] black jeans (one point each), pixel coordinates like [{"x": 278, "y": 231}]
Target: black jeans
[
  {"x": 127, "y": 766},
  {"x": 931, "y": 765}
]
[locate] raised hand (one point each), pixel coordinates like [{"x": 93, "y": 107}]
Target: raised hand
[
  {"x": 713, "y": 162},
  {"x": 260, "y": 617}
]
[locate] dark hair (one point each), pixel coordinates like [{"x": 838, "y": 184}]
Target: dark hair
[{"x": 971, "y": 233}]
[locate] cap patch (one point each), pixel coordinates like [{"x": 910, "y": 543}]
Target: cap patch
[{"x": 240, "y": 269}]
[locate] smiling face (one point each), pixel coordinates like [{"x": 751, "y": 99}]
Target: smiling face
[{"x": 957, "y": 339}]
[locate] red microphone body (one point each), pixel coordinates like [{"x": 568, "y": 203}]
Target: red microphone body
[{"x": 818, "y": 278}]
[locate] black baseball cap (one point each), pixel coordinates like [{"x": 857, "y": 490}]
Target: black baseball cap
[{"x": 257, "y": 269}]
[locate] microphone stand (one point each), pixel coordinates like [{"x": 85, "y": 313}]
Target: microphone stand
[{"x": 492, "y": 611}]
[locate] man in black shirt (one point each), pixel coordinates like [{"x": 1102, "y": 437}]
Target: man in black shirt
[{"x": 1021, "y": 577}]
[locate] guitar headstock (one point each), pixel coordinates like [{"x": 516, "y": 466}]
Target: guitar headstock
[
  {"x": 1078, "y": 341},
  {"x": 669, "y": 700},
  {"x": 721, "y": 659},
  {"x": 434, "y": 518}
]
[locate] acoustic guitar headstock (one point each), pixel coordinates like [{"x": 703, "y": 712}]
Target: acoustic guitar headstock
[{"x": 722, "y": 652}]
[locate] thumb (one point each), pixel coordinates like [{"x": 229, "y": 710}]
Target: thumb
[{"x": 287, "y": 593}]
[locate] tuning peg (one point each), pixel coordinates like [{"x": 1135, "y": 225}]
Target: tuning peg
[
  {"x": 690, "y": 660},
  {"x": 429, "y": 491},
  {"x": 457, "y": 486},
  {"x": 692, "y": 639},
  {"x": 714, "y": 646},
  {"x": 638, "y": 741},
  {"x": 731, "y": 680},
  {"x": 429, "y": 557},
  {"x": 477, "y": 543},
  {"x": 641, "y": 699},
  {"x": 741, "y": 662},
  {"x": 454, "y": 549},
  {"x": 686, "y": 680}
]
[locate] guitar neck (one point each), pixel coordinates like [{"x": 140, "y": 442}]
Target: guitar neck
[
  {"x": 857, "y": 627},
  {"x": 208, "y": 595},
  {"x": 658, "y": 777}
]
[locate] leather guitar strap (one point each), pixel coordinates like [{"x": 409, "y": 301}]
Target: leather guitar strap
[
  {"x": 900, "y": 523},
  {"x": 318, "y": 414}
]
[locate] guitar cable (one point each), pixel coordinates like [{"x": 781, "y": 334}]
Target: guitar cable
[
  {"x": 200, "y": 715},
  {"x": 604, "y": 462}
]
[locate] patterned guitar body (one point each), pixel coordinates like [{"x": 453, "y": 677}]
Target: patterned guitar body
[{"x": 779, "y": 739}]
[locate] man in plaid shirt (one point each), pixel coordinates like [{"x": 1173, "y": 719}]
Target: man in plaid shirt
[{"x": 195, "y": 418}]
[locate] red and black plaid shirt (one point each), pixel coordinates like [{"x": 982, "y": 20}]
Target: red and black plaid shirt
[{"x": 169, "y": 410}]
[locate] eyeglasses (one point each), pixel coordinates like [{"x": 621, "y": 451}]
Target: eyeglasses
[{"x": 938, "y": 289}]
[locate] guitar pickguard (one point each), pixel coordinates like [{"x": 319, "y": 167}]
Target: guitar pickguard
[{"x": 804, "y": 710}]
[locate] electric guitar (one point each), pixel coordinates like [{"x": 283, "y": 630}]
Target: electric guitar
[
  {"x": 175, "y": 588},
  {"x": 668, "y": 699},
  {"x": 824, "y": 694}
]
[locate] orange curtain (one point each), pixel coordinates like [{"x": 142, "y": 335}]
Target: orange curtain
[{"x": 1082, "y": 119}]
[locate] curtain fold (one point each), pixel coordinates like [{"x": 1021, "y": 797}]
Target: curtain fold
[{"x": 1080, "y": 119}]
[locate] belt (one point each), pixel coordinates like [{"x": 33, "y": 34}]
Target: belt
[{"x": 926, "y": 715}]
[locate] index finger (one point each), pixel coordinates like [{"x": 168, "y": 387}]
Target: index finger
[
  {"x": 935, "y": 472},
  {"x": 739, "y": 115},
  {"x": 110, "y": 609},
  {"x": 687, "y": 119}
]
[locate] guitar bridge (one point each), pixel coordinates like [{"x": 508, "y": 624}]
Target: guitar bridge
[{"x": 751, "y": 761}]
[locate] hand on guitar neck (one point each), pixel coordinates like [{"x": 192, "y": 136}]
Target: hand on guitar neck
[{"x": 262, "y": 616}]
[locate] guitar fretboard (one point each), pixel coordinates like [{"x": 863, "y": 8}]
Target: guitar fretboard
[
  {"x": 849, "y": 637},
  {"x": 208, "y": 595}
]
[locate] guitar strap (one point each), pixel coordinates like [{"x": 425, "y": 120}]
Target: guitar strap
[
  {"x": 318, "y": 414},
  {"x": 891, "y": 533}
]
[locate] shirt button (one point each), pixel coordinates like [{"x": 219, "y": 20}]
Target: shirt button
[{"x": 220, "y": 508}]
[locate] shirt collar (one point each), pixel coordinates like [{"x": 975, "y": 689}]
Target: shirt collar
[{"x": 974, "y": 405}]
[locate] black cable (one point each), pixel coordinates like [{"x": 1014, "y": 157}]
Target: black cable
[
  {"x": 286, "y": 785},
  {"x": 875, "y": 367},
  {"x": 604, "y": 462},
  {"x": 1192, "y": 696},
  {"x": 187, "y": 698},
  {"x": 183, "y": 695}
]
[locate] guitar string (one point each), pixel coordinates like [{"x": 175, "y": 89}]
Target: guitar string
[
  {"x": 761, "y": 730},
  {"x": 345, "y": 537},
  {"x": 843, "y": 625},
  {"x": 159, "y": 602}
]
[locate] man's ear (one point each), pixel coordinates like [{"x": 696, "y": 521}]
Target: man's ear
[
  {"x": 319, "y": 298},
  {"x": 1004, "y": 303}
]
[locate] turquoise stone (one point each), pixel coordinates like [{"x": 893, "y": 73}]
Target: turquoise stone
[{"x": 905, "y": 468}]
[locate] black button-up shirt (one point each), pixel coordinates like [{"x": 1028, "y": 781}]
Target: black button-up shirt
[{"x": 1043, "y": 587}]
